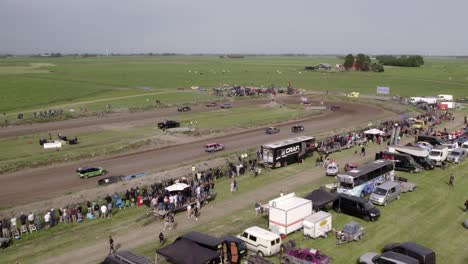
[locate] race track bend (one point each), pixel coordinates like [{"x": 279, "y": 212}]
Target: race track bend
[{"x": 33, "y": 184}]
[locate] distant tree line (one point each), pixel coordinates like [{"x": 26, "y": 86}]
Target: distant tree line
[
  {"x": 402, "y": 61},
  {"x": 361, "y": 62}
]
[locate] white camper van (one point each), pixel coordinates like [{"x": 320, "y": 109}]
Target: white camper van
[{"x": 261, "y": 241}]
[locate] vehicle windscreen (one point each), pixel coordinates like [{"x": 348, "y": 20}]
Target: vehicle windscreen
[
  {"x": 455, "y": 153},
  {"x": 368, "y": 206},
  {"x": 435, "y": 153},
  {"x": 380, "y": 191},
  {"x": 345, "y": 185}
]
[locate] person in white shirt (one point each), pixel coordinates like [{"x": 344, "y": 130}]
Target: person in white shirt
[
  {"x": 103, "y": 211},
  {"x": 13, "y": 222},
  {"x": 47, "y": 220},
  {"x": 31, "y": 218}
]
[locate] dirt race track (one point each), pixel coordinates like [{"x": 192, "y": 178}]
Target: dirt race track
[{"x": 34, "y": 184}]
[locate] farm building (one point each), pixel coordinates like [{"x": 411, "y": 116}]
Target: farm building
[{"x": 320, "y": 66}]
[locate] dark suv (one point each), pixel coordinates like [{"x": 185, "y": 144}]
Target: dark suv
[
  {"x": 416, "y": 251},
  {"x": 168, "y": 124},
  {"x": 356, "y": 206}
]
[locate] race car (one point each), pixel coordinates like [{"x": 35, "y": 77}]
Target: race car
[
  {"x": 213, "y": 147},
  {"x": 90, "y": 172},
  {"x": 184, "y": 108}
]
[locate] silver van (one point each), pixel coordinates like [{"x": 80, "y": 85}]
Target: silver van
[
  {"x": 457, "y": 155},
  {"x": 385, "y": 193}
]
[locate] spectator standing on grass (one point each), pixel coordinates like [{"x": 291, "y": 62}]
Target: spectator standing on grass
[
  {"x": 451, "y": 180},
  {"x": 466, "y": 205},
  {"x": 109, "y": 210},
  {"x": 189, "y": 211},
  {"x": 161, "y": 237},
  {"x": 111, "y": 245},
  {"x": 103, "y": 211},
  {"x": 38, "y": 222},
  {"x": 196, "y": 212},
  {"x": 47, "y": 220},
  {"x": 31, "y": 218}
]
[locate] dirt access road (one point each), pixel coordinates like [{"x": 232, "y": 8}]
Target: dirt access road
[{"x": 34, "y": 184}]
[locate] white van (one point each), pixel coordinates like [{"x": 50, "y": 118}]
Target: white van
[
  {"x": 262, "y": 241},
  {"x": 439, "y": 154}
]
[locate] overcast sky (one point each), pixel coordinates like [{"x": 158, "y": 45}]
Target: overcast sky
[{"x": 428, "y": 27}]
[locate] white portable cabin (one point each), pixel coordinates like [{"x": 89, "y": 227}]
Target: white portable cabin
[
  {"x": 287, "y": 213},
  {"x": 318, "y": 224}
]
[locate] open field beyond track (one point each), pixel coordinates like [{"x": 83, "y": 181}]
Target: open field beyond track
[{"x": 44, "y": 83}]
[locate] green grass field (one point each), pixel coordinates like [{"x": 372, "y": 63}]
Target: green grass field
[
  {"x": 432, "y": 216},
  {"x": 75, "y": 80}
]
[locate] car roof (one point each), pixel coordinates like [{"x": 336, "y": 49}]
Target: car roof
[
  {"x": 416, "y": 248},
  {"x": 399, "y": 257},
  {"x": 258, "y": 231}
]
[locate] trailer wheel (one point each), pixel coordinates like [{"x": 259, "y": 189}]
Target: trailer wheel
[
  {"x": 260, "y": 253},
  {"x": 278, "y": 164}
]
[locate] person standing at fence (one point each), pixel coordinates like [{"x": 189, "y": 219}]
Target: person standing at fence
[{"x": 111, "y": 245}]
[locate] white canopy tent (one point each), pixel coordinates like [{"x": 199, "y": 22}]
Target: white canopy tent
[
  {"x": 177, "y": 187},
  {"x": 374, "y": 131}
]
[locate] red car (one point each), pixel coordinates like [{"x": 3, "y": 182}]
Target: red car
[
  {"x": 212, "y": 104},
  {"x": 305, "y": 256}
]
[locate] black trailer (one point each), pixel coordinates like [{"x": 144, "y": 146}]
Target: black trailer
[{"x": 288, "y": 151}]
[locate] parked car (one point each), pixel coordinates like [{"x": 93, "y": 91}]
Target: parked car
[
  {"x": 211, "y": 104},
  {"x": 457, "y": 155},
  {"x": 297, "y": 128},
  {"x": 212, "y": 147},
  {"x": 305, "y": 256},
  {"x": 411, "y": 249},
  {"x": 350, "y": 166},
  {"x": 356, "y": 206},
  {"x": 387, "y": 257},
  {"x": 168, "y": 124},
  {"x": 184, "y": 108},
  {"x": 225, "y": 106},
  {"x": 90, "y": 172},
  {"x": 272, "y": 130},
  {"x": 332, "y": 169},
  {"x": 385, "y": 193},
  {"x": 261, "y": 241}
]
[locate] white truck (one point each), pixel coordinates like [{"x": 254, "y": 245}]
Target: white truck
[
  {"x": 318, "y": 225},
  {"x": 438, "y": 155},
  {"x": 429, "y": 100},
  {"x": 445, "y": 97},
  {"x": 287, "y": 213}
]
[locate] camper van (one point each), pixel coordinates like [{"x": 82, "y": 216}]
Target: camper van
[
  {"x": 284, "y": 152},
  {"x": 438, "y": 155},
  {"x": 403, "y": 162},
  {"x": 262, "y": 241}
]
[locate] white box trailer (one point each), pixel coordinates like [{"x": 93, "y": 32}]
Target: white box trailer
[
  {"x": 318, "y": 225},
  {"x": 287, "y": 213}
]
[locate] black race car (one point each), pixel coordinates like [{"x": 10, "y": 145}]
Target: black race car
[
  {"x": 168, "y": 124},
  {"x": 184, "y": 108},
  {"x": 297, "y": 128}
]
